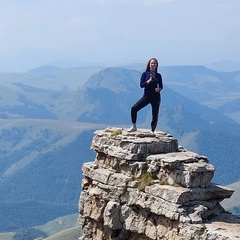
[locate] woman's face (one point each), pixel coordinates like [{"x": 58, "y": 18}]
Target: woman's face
[{"x": 153, "y": 64}]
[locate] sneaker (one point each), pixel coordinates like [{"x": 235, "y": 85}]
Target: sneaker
[
  {"x": 152, "y": 133},
  {"x": 132, "y": 129}
]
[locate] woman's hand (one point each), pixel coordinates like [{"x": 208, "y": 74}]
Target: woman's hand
[
  {"x": 158, "y": 89},
  {"x": 150, "y": 79}
]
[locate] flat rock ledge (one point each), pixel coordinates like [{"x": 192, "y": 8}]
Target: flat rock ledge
[{"x": 147, "y": 187}]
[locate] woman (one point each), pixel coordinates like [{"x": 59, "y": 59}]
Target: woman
[{"x": 151, "y": 81}]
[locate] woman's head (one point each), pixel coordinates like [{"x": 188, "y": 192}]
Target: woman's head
[{"x": 152, "y": 65}]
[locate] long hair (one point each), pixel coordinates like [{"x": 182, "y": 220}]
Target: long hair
[{"x": 148, "y": 65}]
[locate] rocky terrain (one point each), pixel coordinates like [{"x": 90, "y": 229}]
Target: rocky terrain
[{"x": 148, "y": 187}]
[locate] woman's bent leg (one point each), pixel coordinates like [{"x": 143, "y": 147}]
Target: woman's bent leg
[{"x": 141, "y": 103}]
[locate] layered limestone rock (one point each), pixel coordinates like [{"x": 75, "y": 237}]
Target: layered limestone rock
[{"x": 147, "y": 187}]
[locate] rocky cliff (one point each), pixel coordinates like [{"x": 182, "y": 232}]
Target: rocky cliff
[{"x": 148, "y": 187}]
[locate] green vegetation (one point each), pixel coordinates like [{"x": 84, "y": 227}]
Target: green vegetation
[
  {"x": 201, "y": 230},
  {"x": 114, "y": 132},
  {"x": 72, "y": 233},
  {"x": 219, "y": 146},
  {"x": 46, "y": 188},
  {"x": 59, "y": 224},
  {"x": 61, "y": 228},
  {"x": 145, "y": 180},
  {"x": 7, "y": 236},
  {"x": 40, "y": 162},
  {"x": 233, "y": 203},
  {"x": 29, "y": 234}
]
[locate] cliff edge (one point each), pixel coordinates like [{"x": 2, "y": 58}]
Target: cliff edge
[{"x": 147, "y": 187}]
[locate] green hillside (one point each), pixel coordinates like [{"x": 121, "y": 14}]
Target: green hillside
[
  {"x": 61, "y": 228},
  {"x": 233, "y": 204},
  {"x": 48, "y": 116},
  {"x": 72, "y": 233},
  {"x": 6, "y": 236}
]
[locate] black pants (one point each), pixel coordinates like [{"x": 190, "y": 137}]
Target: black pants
[{"x": 143, "y": 102}]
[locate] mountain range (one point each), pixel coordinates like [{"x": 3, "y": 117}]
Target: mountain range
[{"x": 48, "y": 116}]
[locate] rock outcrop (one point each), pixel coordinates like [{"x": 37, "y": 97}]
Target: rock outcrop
[{"x": 147, "y": 187}]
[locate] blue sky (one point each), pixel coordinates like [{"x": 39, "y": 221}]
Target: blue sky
[{"x": 115, "y": 32}]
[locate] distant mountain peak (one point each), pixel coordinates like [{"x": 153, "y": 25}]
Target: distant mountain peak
[
  {"x": 116, "y": 79},
  {"x": 224, "y": 66},
  {"x": 46, "y": 69}
]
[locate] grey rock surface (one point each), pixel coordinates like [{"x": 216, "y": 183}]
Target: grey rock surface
[{"x": 146, "y": 187}]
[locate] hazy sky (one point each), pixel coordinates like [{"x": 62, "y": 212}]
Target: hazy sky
[{"x": 109, "y": 32}]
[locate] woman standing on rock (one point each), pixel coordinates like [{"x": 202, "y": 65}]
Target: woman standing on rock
[{"x": 151, "y": 81}]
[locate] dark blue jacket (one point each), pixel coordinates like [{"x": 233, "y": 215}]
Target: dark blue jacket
[{"x": 149, "y": 89}]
